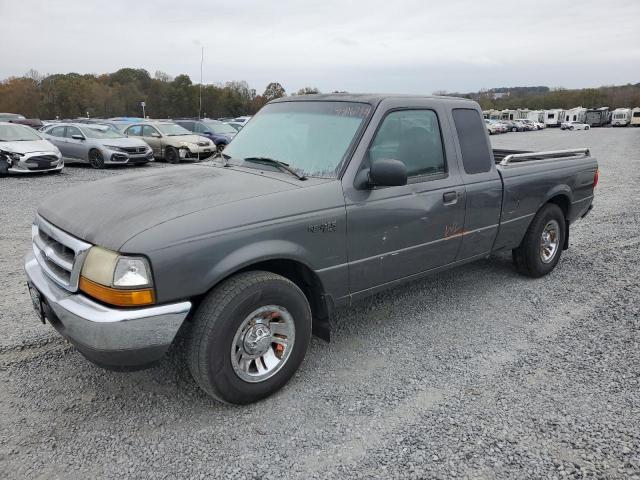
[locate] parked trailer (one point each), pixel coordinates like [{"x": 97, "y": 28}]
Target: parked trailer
[
  {"x": 621, "y": 117},
  {"x": 492, "y": 114},
  {"x": 509, "y": 115},
  {"x": 635, "y": 117},
  {"x": 553, "y": 117},
  {"x": 578, "y": 114},
  {"x": 598, "y": 117}
]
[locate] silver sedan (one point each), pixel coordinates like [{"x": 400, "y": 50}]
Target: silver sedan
[{"x": 97, "y": 144}]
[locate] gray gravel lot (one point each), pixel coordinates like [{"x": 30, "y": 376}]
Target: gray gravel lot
[{"x": 476, "y": 372}]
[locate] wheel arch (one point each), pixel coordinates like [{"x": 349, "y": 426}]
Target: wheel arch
[
  {"x": 288, "y": 265},
  {"x": 563, "y": 200}
]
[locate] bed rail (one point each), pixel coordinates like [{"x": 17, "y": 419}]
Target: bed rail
[{"x": 522, "y": 157}]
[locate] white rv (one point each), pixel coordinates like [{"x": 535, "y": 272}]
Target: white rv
[
  {"x": 577, "y": 114},
  {"x": 535, "y": 116},
  {"x": 621, "y": 117},
  {"x": 635, "y": 117},
  {"x": 509, "y": 115},
  {"x": 553, "y": 117}
]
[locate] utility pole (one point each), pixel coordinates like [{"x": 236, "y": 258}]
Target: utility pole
[{"x": 201, "y": 62}]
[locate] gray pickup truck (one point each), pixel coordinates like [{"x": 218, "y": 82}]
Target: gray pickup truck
[{"x": 319, "y": 201}]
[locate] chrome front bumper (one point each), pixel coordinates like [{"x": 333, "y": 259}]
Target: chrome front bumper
[{"x": 110, "y": 337}]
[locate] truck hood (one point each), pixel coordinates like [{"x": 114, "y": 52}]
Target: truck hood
[
  {"x": 109, "y": 212},
  {"x": 28, "y": 146}
]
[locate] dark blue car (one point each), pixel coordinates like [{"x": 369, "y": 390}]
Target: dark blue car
[{"x": 220, "y": 133}]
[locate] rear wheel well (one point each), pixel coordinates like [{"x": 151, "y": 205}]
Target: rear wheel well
[{"x": 562, "y": 201}]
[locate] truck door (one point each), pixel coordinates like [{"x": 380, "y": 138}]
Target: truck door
[
  {"x": 395, "y": 232},
  {"x": 482, "y": 181}
]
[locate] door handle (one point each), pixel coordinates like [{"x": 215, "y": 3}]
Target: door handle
[{"x": 449, "y": 198}]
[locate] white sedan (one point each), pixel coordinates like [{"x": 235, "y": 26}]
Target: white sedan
[
  {"x": 575, "y": 126},
  {"x": 23, "y": 150}
]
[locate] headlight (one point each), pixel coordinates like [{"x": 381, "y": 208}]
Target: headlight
[
  {"x": 112, "y": 147},
  {"x": 16, "y": 156},
  {"x": 188, "y": 145},
  {"x": 116, "y": 279}
]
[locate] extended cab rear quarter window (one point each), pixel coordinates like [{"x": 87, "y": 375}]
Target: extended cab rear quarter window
[{"x": 473, "y": 140}]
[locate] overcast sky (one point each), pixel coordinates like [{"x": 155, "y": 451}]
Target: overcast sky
[{"x": 360, "y": 46}]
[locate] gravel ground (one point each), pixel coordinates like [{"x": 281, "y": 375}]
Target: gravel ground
[{"x": 476, "y": 372}]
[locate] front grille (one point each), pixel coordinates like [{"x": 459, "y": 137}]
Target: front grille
[
  {"x": 134, "y": 149},
  {"x": 41, "y": 162},
  {"x": 59, "y": 254}
]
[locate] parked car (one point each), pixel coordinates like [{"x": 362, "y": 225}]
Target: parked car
[
  {"x": 491, "y": 128},
  {"x": 528, "y": 124},
  {"x": 99, "y": 145},
  {"x": 237, "y": 126},
  {"x": 255, "y": 253},
  {"x": 11, "y": 117},
  {"x": 242, "y": 120},
  {"x": 171, "y": 142},
  {"x": 218, "y": 132},
  {"x": 23, "y": 150},
  {"x": 515, "y": 126},
  {"x": 34, "y": 123},
  {"x": 575, "y": 126}
]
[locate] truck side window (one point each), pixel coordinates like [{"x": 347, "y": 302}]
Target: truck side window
[
  {"x": 473, "y": 140},
  {"x": 413, "y": 137}
]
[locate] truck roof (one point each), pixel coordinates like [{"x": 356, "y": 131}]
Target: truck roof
[{"x": 371, "y": 98}]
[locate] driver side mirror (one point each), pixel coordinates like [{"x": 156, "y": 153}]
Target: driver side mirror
[
  {"x": 382, "y": 173},
  {"x": 156, "y": 135},
  {"x": 77, "y": 137},
  {"x": 208, "y": 132}
]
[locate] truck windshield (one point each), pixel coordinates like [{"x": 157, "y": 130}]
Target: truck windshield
[{"x": 312, "y": 137}]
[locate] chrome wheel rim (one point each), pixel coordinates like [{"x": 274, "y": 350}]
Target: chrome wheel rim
[
  {"x": 263, "y": 343},
  {"x": 549, "y": 241}
]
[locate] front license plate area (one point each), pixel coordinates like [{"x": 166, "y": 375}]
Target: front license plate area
[{"x": 36, "y": 300}]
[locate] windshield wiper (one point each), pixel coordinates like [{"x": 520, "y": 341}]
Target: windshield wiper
[{"x": 276, "y": 163}]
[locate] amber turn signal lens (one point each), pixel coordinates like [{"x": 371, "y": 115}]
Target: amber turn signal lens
[{"x": 117, "y": 297}]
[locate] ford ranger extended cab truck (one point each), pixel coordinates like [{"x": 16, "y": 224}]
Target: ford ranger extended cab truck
[{"x": 319, "y": 201}]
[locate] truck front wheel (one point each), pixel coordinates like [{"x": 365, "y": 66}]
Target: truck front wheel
[
  {"x": 249, "y": 337},
  {"x": 542, "y": 245}
]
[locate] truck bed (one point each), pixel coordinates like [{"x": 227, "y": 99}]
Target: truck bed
[{"x": 530, "y": 179}]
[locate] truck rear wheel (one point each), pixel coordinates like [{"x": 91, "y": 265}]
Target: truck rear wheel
[
  {"x": 542, "y": 245},
  {"x": 249, "y": 337}
]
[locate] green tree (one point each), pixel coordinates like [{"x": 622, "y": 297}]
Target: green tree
[{"x": 274, "y": 90}]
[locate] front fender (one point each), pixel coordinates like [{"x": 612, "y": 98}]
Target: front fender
[{"x": 255, "y": 253}]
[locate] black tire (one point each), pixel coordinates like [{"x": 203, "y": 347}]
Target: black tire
[
  {"x": 528, "y": 257},
  {"x": 171, "y": 155},
  {"x": 220, "y": 147},
  {"x": 571, "y": 128},
  {"x": 95, "y": 158},
  {"x": 216, "y": 324},
  {"x": 587, "y": 128},
  {"x": 514, "y": 129}
]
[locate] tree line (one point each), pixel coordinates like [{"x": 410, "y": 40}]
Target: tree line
[
  {"x": 120, "y": 93},
  {"x": 544, "y": 98}
]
